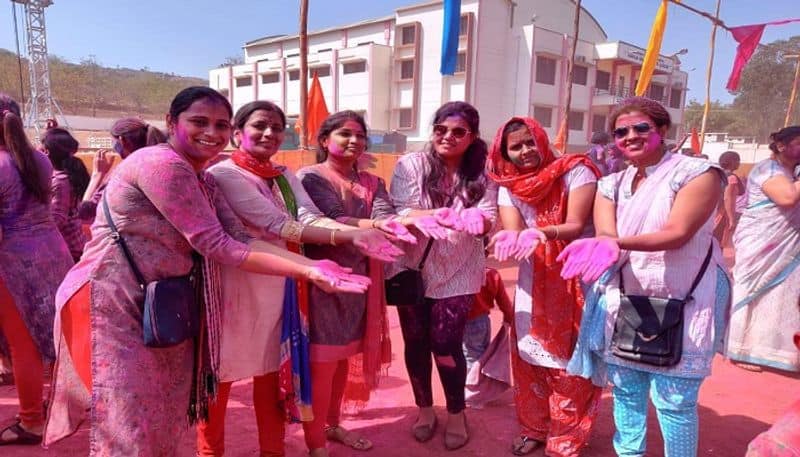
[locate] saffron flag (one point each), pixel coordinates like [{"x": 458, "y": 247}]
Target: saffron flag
[
  {"x": 748, "y": 37},
  {"x": 697, "y": 148},
  {"x": 560, "y": 142},
  {"x": 316, "y": 113},
  {"x": 450, "y": 33},
  {"x": 653, "y": 49}
]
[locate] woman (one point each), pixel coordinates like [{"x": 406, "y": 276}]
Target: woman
[
  {"x": 68, "y": 183},
  {"x": 275, "y": 208},
  {"x": 448, "y": 181},
  {"x": 733, "y": 201},
  {"x": 349, "y": 333},
  {"x": 544, "y": 203},
  {"x": 33, "y": 261},
  {"x": 766, "y": 291},
  {"x": 659, "y": 213},
  {"x": 129, "y": 134},
  {"x": 165, "y": 207}
]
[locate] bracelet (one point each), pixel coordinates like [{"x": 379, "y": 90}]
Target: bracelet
[
  {"x": 555, "y": 237},
  {"x": 373, "y": 223},
  {"x": 292, "y": 231},
  {"x": 333, "y": 237}
]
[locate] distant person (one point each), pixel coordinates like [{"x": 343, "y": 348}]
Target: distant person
[
  {"x": 33, "y": 262},
  {"x": 615, "y": 160},
  {"x": 478, "y": 332},
  {"x": 67, "y": 185},
  {"x": 129, "y": 134},
  {"x": 597, "y": 153},
  {"x": 765, "y": 313},
  {"x": 734, "y": 199}
]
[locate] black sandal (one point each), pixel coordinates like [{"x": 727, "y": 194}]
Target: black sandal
[
  {"x": 520, "y": 448},
  {"x": 23, "y": 436}
]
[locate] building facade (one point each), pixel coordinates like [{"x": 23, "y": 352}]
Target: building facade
[{"x": 512, "y": 60}]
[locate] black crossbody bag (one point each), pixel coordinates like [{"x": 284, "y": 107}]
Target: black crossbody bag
[
  {"x": 407, "y": 288},
  {"x": 649, "y": 330},
  {"x": 171, "y": 310}
]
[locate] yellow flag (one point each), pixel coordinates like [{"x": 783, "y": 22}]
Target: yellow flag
[{"x": 653, "y": 49}]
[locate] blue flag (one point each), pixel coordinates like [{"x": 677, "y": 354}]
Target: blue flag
[{"x": 450, "y": 32}]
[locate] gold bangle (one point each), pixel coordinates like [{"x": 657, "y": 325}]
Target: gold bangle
[
  {"x": 292, "y": 231},
  {"x": 333, "y": 237},
  {"x": 373, "y": 223},
  {"x": 555, "y": 237}
]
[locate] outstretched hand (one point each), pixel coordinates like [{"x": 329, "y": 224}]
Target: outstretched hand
[
  {"x": 473, "y": 221},
  {"x": 589, "y": 258},
  {"x": 331, "y": 277},
  {"x": 527, "y": 242},
  {"x": 375, "y": 244},
  {"x": 504, "y": 244},
  {"x": 447, "y": 217},
  {"x": 396, "y": 229},
  {"x": 429, "y": 226}
]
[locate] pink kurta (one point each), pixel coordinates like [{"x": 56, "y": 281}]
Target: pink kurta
[{"x": 140, "y": 395}]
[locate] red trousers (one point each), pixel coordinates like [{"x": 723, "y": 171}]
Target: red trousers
[
  {"x": 327, "y": 391},
  {"x": 270, "y": 419},
  {"x": 554, "y": 407},
  {"x": 26, "y": 361}
]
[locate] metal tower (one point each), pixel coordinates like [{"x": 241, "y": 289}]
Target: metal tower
[{"x": 41, "y": 105}]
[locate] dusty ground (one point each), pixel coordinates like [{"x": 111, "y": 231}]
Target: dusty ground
[{"x": 735, "y": 406}]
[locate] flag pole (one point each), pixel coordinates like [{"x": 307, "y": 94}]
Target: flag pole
[
  {"x": 303, "y": 75},
  {"x": 707, "y": 107},
  {"x": 568, "y": 103},
  {"x": 794, "y": 90}
]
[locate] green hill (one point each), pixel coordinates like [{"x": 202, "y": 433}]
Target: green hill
[{"x": 89, "y": 89}]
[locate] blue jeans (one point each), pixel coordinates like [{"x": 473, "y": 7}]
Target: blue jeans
[
  {"x": 675, "y": 400},
  {"x": 477, "y": 335}
]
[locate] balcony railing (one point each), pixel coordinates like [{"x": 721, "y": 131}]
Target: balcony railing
[{"x": 621, "y": 92}]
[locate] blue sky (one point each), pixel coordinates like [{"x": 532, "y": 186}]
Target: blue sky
[{"x": 189, "y": 38}]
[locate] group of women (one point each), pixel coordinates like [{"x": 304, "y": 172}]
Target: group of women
[{"x": 293, "y": 266}]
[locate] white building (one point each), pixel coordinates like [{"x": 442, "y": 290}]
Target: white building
[{"x": 512, "y": 61}]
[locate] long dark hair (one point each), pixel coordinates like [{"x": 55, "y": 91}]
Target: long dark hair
[
  {"x": 138, "y": 132},
  {"x": 333, "y": 122},
  {"x": 61, "y": 148},
  {"x": 12, "y": 136},
  {"x": 187, "y": 96},
  {"x": 472, "y": 181}
]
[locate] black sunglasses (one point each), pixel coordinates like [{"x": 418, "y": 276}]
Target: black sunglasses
[
  {"x": 641, "y": 128},
  {"x": 441, "y": 130}
]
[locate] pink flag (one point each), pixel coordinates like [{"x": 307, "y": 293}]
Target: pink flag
[{"x": 748, "y": 37}]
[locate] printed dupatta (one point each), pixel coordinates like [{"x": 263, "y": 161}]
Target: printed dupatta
[{"x": 294, "y": 371}]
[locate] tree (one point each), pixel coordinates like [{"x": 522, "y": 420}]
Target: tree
[
  {"x": 232, "y": 60},
  {"x": 763, "y": 94},
  {"x": 721, "y": 118}
]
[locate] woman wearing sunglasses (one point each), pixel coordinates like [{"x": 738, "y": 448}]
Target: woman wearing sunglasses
[
  {"x": 446, "y": 181},
  {"x": 544, "y": 203},
  {"x": 654, "y": 223}
]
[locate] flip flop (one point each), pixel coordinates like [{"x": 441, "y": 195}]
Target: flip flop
[
  {"x": 22, "y": 436},
  {"x": 521, "y": 447},
  {"x": 453, "y": 441},
  {"x": 423, "y": 433},
  {"x": 348, "y": 438}
]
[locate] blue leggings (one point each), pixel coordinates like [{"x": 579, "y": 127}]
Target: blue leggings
[{"x": 675, "y": 400}]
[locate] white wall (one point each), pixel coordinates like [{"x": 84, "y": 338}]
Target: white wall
[{"x": 491, "y": 87}]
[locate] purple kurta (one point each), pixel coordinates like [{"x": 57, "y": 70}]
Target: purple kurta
[
  {"x": 33, "y": 255},
  {"x": 139, "y": 395}
]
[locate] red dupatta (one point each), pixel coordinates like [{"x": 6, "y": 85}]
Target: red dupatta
[{"x": 557, "y": 303}]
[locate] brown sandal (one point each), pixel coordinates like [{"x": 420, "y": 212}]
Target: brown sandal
[
  {"x": 22, "y": 436},
  {"x": 521, "y": 447},
  {"x": 348, "y": 438}
]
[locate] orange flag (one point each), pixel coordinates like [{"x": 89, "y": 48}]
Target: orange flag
[
  {"x": 561, "y": 138},
  {"x": 696, "y": 147},
  {"x": 316, "y": 113},
  {"x": 653, "y": 49}
]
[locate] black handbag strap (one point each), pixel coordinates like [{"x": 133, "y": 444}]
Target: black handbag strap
[
  {"x": 118, "y": 239},
  {"x": 425, "y": 255},
  {"x": 694, "y": 283}
]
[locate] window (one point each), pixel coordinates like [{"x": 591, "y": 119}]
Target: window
[
  {"x": 598, "y": 123},
  {"x": 543, "y": 115},
  {"x": 294, "y": 75},
  {"x": 461, "y": 62},
  {"x": 546, "y": 70},
  {"x": 580, "y": 75},
  {"x": 244, "y": 81},
  {"x": 405, "y": 118},
  {"x": 602, "y": 80},
  {"x": 354, "y": 67},
  {"x": 268, "y": 78},
  {"x": 408, "y": 34},
  {"x": 657, "y": 92},
  {"x": 675, "y": 97},
  {"x": 321, "y": 71},
  {"x": 463, "y": 25},
  {"x": 407, "y": 69},
  {"x": 575, "y": 120}
]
